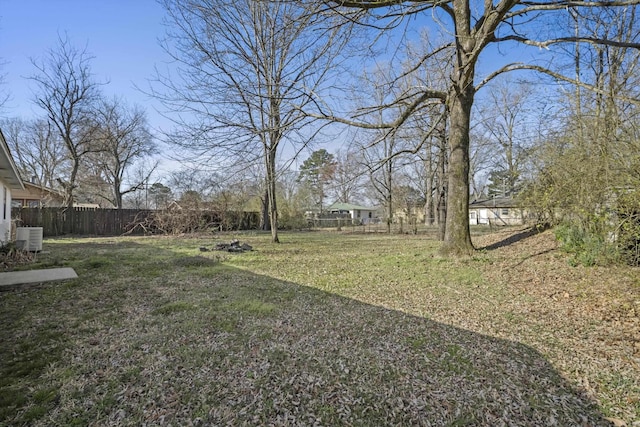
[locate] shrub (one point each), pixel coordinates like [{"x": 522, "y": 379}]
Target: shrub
[
  {"x": 286, "y": 221},
  {"x": 628, "y": 232},
  {"x": 587, "y": 247}
]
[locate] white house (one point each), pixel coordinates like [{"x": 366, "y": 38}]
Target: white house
[
  {"x": 496, "y": 211},
  {"x": 355, "y": 212},
  {"x": 9, "y": 180}
]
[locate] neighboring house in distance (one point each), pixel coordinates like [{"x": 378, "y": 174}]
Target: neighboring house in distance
[
  {"x": 496, "y": 211},
  {"x": 9, "y": 181},
  {"x": 416, "y": 212},
  {"x": 355, "y": 212},
  {"x": 36, "y": 196}
]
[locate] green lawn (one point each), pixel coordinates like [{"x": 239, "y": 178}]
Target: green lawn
[{"x": 323, "y": 329}]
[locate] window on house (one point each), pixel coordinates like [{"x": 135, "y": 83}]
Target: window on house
[
  {"x": 472, "y": 215},
  {"x": 504, "y": 212},
  {"x": 5, "y": 202}
]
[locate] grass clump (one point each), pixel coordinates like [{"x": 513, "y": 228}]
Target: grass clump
[
  {"x": 173, "y": 307},
  {"x": 252, "y": 306},
  {"x": 586, "y": 247},
  {"x": 194, "y": 261}
]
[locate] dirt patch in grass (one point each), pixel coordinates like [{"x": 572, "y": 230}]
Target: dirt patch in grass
[{"x": 323, "y": 329}]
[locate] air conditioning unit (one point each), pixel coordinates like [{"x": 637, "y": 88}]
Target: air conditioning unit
[{"x": 32, "y": 236}]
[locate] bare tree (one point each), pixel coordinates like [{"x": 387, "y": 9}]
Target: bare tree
[
  {"x": 508, "y": 121},
  {"x": 191, "y": 180},
  {"x": 123, "y": 141},
  {"x": 246, "y": 70},
  {"x": 348, "y": 176},
  {"x": 40, "y": 154},
  {"x": 380, "y": 149},
  {"x": 67, "y": 92},
  {"x": 481, "y": 161},
  {"x": 470, "y": 28},
  {"x": 382, "y": 167}
]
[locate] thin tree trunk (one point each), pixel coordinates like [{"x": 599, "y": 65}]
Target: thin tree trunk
[
  {"x": 428, "y": 205},
  {"x": 389, "y": 185},
  {"x": 264, "y": 218},
  {"x": 442, "y": 180},
  {"x": 271, "y": 192}
]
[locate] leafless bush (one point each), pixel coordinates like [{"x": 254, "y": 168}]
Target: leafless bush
[{"x": 11, "y": 256}]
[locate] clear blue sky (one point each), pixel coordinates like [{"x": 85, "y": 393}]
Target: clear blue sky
[{"x": 122, "y": 35}]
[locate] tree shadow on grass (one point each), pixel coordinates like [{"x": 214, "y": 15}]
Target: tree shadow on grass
[
  {"x": 344, "y": 362},
  {"x": 229, "y": 347},
  {"x": 515, "y": 238}
]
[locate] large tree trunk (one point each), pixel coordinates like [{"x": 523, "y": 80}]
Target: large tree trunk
[
  {"x": 117, "y": 193},
  {"x": 271, "y": 194},
  {"x": 69, "y": 190},
  {"x": 457, "y": 239}
]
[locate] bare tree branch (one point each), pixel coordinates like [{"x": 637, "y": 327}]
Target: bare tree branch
[
  {"x": 545, "y": 44},
  {"x": 555, "y": 5}
]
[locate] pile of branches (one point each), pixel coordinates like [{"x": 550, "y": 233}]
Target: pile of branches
[
  {"x": 172, "y": 221},
  {"x": 176, "y": 221}
]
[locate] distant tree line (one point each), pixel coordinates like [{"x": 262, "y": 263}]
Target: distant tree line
[
  {"x": 91, "y": 148},
  {"x": 260, "y": 86}
]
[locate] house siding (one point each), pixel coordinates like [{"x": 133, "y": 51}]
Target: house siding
[
  {"x": 33, "y": 196},
  {"x": 5, "y": 217},
  {"x": 496, "y": 216}
]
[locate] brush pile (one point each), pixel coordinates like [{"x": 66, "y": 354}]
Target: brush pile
[{"x": 233, "y": 246}]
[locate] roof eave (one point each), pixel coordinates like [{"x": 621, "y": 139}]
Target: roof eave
[{"x": 8, "y": 170}]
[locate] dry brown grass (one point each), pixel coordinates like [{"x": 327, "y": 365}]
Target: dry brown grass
[{"x": 324, "y": 329}]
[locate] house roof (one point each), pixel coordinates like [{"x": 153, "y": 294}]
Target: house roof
[
  {"x": 8, "y": 170},
  {"x": 495, "y": 202},
  {"x": 348, "y": 207},
  {"x": 32, "y": 190}
]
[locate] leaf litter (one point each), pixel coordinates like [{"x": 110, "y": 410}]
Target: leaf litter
[{"x": 341, "y": 330}]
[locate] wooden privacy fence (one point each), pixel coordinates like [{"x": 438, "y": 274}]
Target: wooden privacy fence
[
  {"x": 114, "y": 222},
  {"x": 86, "y": 221}
]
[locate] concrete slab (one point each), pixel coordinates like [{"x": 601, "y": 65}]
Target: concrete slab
[{"x": 36, "y": 276}]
